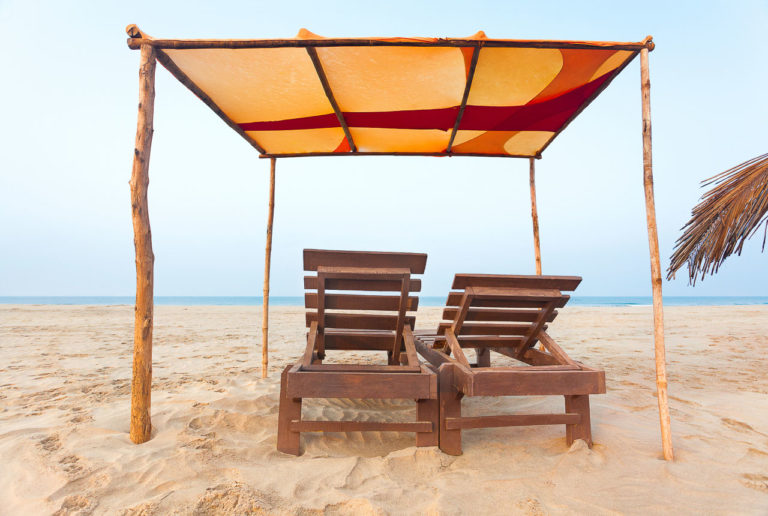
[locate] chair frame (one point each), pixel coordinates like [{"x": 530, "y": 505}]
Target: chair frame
[
  {"x": 546, "y": 372},
  {"x": 404, "y": 377}
]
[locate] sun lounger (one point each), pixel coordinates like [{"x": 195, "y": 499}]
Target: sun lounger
[
  {"x": 363, "y": 322},
  {"x": 507, "y": 315}
]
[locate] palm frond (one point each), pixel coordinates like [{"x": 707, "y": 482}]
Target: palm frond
[{"x": 727, "y": 215}]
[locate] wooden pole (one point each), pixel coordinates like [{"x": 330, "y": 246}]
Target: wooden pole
[
  {"x": 267, "y": 260},
  {"x": 535, "y": 217},
  {"x": 141, "y": 386},
  {"x": 653, "y": 244},
  {"x": 138, "y": 38}
]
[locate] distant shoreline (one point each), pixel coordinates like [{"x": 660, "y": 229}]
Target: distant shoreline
[{"x": 424, "y": 300}]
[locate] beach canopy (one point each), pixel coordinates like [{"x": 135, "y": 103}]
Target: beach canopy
[
  {"x": 315, "y": 96},
  {"x": 426, "y": 96}
]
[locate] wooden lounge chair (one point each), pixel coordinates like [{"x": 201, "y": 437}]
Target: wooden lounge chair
[
  {"x": 336, "y": 322},
  {"x": 507, "y": 315}
]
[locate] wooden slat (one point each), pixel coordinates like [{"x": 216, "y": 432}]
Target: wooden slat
[
  {"x": 375, "y": 273},
  {"x": 359, "y": 340},
  {"x": 485, "y": 342},
  {"x": 491, "y": 382},
  {"x": 488, "y": 328},
  {"x": 359, "y": 426},
  {"x": 520, "y": 294},
  {"x": 462, "y": 281},
  {"x": 311, "y": 384},
  {"x": 310, "y": 283},
  {"x": 313, "y": 258},
  {"x": 360, "y": 302},
  {"x": 465, "y": 423},
  {"x": 490, "y": 314},
  {"x": 454, "y": 299},
  {"x": 359, "y": 321}
]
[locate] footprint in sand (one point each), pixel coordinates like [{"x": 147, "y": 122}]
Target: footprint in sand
[
  {"x": 71, "y": 464},
  {"x": 81, "y": 418},
  {"x": 755, "y": 481},
  {"x": 50, "y": 443},
  {"x": 737, "y": 425},
  {"x": 76, "y": 504},
  {"x": 236, "y": 498}
]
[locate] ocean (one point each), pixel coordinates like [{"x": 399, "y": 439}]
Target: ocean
[{"x": 423, "y": 300}]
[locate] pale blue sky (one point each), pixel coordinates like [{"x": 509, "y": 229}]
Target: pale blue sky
[{"x": 70, "y": 90}]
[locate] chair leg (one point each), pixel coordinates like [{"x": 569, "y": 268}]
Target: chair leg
[
  {"x": 429, "y": 410},
  {"x": 483, "y": 357},
  {"x": 450, "y": 406},
  {"x": 290, "y": 409},
  {"x": 583, "y": 429}
]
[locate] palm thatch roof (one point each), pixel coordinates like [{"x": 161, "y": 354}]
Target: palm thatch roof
[{"x": 728, "y": 215}]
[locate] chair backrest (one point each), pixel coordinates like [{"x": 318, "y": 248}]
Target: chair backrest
[
  {"x": 503, "y": 311},
  {"x": 351, "y": 298}
]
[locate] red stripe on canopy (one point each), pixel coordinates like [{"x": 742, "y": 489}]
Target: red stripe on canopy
[{"x": 548, "y": 115}]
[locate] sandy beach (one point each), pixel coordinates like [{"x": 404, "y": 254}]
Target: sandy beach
[{"x": 64, "y": 406}]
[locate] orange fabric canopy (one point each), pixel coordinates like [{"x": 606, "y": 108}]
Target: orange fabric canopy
[{"x": 472, "y": 96}]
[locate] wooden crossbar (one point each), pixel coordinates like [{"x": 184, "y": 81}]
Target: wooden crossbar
[
  {"x": 359, "y": 426},
  {"x": 464, "y": 423}
]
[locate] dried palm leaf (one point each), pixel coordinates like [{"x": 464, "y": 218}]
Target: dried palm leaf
[{"x": 727, "y": 215}]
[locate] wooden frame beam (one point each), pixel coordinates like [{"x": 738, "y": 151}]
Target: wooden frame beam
[
  {"x": 140, "y": 38},
  {"x": 141, "y": 384},
  {"x": 649, "y": 46},
  {"x": 653, "y": 245},
  {"x": 331, "y": 98},
  {"x": 431, "y": 154},
  {"x": 467, "y": 87},
  {"x": 135, "y": 34}
]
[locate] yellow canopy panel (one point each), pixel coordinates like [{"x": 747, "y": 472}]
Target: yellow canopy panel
[{"x": 320, "y": 96}]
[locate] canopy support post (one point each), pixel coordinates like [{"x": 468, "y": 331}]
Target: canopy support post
[
  {"x": 535, "y": 217},
  {"x": 141, "y": 385},
  {"x": 267, "y": 260},
  {"x": 653, "y": 244}
]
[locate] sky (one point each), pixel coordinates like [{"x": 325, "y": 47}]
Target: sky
[{"x": 70, "y": 92}]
